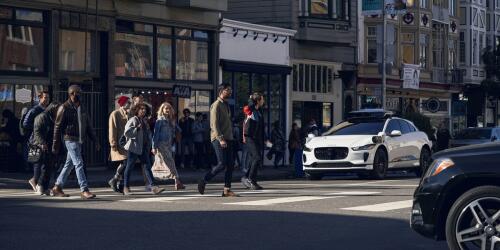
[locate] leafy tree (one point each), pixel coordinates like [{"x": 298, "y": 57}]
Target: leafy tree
[
  {"x": 491, "y": 59},
  {"x": 422, "y": 122}
]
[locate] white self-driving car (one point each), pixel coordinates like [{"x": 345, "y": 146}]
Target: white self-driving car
[{"x": 368, "y": 142}]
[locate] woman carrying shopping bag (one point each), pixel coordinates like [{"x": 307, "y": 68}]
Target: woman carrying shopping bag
[{"x": 163, "y": 140}]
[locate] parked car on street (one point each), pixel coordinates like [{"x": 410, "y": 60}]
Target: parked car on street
[
  {"x": 368, "y": 142},
  {"x": 458, "y": 198},
  {"x": 471, "y": 136}
]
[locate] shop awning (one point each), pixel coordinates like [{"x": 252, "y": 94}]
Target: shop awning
[{"x": 250, "y": 67}]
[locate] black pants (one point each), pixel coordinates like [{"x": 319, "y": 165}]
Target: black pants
[
  {"x": 46, "y": 164},
  {"x": 290, "y": 156},
  {"x": 254, "y": 158},
  {"x": 200, "y": 160},
  {"x": 225, "y": 161}
]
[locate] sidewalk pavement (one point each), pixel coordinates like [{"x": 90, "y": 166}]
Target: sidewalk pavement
[{"x": 99, "y": 176}]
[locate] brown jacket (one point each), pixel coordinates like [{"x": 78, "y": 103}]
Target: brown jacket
[
  {"x": 116, "y": 127},
  {"x": 66, "y": 125},
  {"x": 220, "y": 121}
]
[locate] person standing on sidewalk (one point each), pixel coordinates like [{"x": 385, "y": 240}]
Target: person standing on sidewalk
[
  {"x": 72, "y": 122},
  {"x": 293, "y": 142},
  {"x": 28, "y": 127},
  {"x": 186, "y": 147},
  {"x": 163, "y": 140},
  {"x": 43, "y": 132},
  {"x": 253, "y": 137},
  {"x": 138, "y": 146},
  {"x": 116, "y": 128},
  {"x": 222, "y": 139},
  {"x": 198, "y": 140},
  {"x": 278, "y": 140}
]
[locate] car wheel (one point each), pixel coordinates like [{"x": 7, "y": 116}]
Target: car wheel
[
  {"x": 425, "y": 158},
  {"x": 314, "y": 177},
  {"x": 380, "y": 163},
  {"x": 474, "y": 220}
]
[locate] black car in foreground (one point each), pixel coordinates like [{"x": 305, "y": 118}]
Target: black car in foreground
[{"x": 458, "y": 198}]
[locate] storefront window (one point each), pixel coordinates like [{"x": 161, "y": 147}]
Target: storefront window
[
  {"x": 191, "y": 60},
  {"x": 28, "y": 15},
  {"x": 275, "y": 104},
  {"x": 73, "y": 55},
  {"x": 164, "y": 58},
  {"x": 133, "y": 55},
  {"x": 242, "y": 87},
  {"x": 16, "y": 97},
  {"x": 22, "y": 48}
]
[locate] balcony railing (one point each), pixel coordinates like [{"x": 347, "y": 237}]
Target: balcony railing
[{"x": 453, "y": 76}]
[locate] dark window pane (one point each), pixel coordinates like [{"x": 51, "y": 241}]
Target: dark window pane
[
  {"x": 28, "y": 15},
  {"x": 405, "y": 127},
  {"x": 5, "y": 13},
  {"x": 242, "y": 84},
  {"x": 276, "y": 97},
  {"x": 192, "y": 60},
  {"x": 318, "y": 79},
  {"x": 200, "y": 34},
  {"x": 72, "y": 51},
  {"x": 21, "y": 48},
  {"x": 124, "y": 26},
  {"x": 294, "y": 77},
  {"x": 393, "y": 125},
  {"x": 324, "y": 80},
  {"x": 313, "y": 78},
  {"x": 301, "y": 77},
  {"x": 468, "y": 134},
  {"x": 164, "y": 30},
  {"x": 307, "y": 77},
  {"x": 133, "y": 55},
  {"x": 360, "y": 128},
  {"x": 183, "y": 32},
  {"x": 164, "y": 58}
]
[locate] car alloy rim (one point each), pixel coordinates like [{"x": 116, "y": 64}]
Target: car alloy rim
[{"x": 478, "y": 225}]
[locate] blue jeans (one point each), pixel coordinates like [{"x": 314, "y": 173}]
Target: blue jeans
[
  {"x": 73, "y": 160},
  {"x": 145, "y": 163}
]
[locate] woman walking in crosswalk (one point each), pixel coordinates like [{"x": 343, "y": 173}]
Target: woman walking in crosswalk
[{"x": 163, "y": 140}]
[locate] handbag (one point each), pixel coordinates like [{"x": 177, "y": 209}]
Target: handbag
[{"x": 34, "y": 153}]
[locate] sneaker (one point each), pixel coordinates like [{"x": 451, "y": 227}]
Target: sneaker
[
  {"x": 39, "y": 190},
  {"x": 255, "y": 186},
  {"x": 229, "y": 193},
  {"x": 147, "y": 188},
  {"x": 126, "y": 191},
  {"x": 246, "y": 182},
  {"x": 32, "y": 183},
  {"x": 201, "y": 186},
  {"x": 157, "y": 190}
]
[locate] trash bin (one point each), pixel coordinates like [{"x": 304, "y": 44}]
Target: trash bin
[{"x": 297, "y": 160}]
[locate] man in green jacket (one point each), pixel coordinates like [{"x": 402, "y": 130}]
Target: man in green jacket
[{"x": 222, "y": 140}]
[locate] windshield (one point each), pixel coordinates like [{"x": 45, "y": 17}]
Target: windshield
[
  {"x": 477, "y": 134},
  {"x": 357, "y": 128}
]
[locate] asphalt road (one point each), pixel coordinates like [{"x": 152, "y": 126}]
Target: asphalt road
[{"x": 339, "y": 213}]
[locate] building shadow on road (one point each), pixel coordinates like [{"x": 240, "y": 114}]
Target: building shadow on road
[{"x": 27, "y": 224}]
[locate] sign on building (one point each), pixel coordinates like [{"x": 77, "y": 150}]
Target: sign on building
[
  {"x": 181, "y": 91},
  {"x": 392, "y": 7},
  {"x": 371, "y": 7},
  {"x": 411, "y": 76}
]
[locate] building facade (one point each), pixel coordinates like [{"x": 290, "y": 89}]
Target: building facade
[
  {"x": 425, "y": 36},
  {"x": 110, "y": 48},
  {"x": 322, "y": 53}
]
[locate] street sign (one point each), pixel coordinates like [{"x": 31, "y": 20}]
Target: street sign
[{"x": 181, "y": 91}]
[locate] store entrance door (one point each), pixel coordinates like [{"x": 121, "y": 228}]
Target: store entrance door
[{"x": 321, "y": 112}]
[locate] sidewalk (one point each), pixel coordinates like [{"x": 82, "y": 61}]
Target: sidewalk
[{"x": 99, "y": 176}]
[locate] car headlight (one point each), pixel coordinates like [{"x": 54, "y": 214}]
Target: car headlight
[
  {"x": 439, "y": 166},
  {"x": 364, "y": 147},
  {"x": 306, "y": 149}
]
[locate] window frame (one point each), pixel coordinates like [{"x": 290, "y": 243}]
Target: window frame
[
  {"x": 155, "y": 34},
  {"x": 345, "y": 17},
  {"x": 94, "y": 60},
  {"x": 13, "y": 21}
]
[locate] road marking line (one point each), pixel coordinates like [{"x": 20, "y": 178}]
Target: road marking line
[
  {"x": 382, "y": 207},
  {"x": 267, "y": 202},
  {"x": 354, "y": 193},
  {"x": 168, "y": 199}
]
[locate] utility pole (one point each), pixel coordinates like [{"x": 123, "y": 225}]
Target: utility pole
[{"x": 384, "y": 56}]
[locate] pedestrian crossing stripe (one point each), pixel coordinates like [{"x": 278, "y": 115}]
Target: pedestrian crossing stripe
[
  {"x": 382, "y": 207},
  {"x": 275, "y": 201}
]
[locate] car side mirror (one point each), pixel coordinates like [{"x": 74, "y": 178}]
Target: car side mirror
[{"x": 395, "y": 133}]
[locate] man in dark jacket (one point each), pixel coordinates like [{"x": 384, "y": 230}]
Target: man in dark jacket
[
  {"x": 187, "y": 146},
  {"x": 73, "y": 123},
  {"x": 28, "y": 127},
  {"x": 43, "y": 132}
]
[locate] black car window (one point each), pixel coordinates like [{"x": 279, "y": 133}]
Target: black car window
[
  {"x": 357, "y": 128},
  {"x": 474, "y": 134},
  {"x": 392, "y": 125},
  {"x": 405, "y": 127}
]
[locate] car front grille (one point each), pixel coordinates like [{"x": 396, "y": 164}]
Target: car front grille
[{"x": 336, "y": 153}]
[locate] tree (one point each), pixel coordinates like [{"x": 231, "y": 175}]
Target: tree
[{"x": 491, "y": 59}]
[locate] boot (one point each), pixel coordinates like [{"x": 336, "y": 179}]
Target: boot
[
  {"x": 113, "y": 184},
  {"x": 179, "y": 185},
  {"x": 229, "y": 193},
  {"x": 58, "y": 192},
  {"x": 87, "y": 195}
]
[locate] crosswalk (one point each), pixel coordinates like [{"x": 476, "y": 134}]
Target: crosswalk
[{"x": 276, "y": 196}]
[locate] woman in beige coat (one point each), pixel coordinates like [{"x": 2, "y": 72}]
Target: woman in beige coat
[{"x": 116, "y": 128}]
